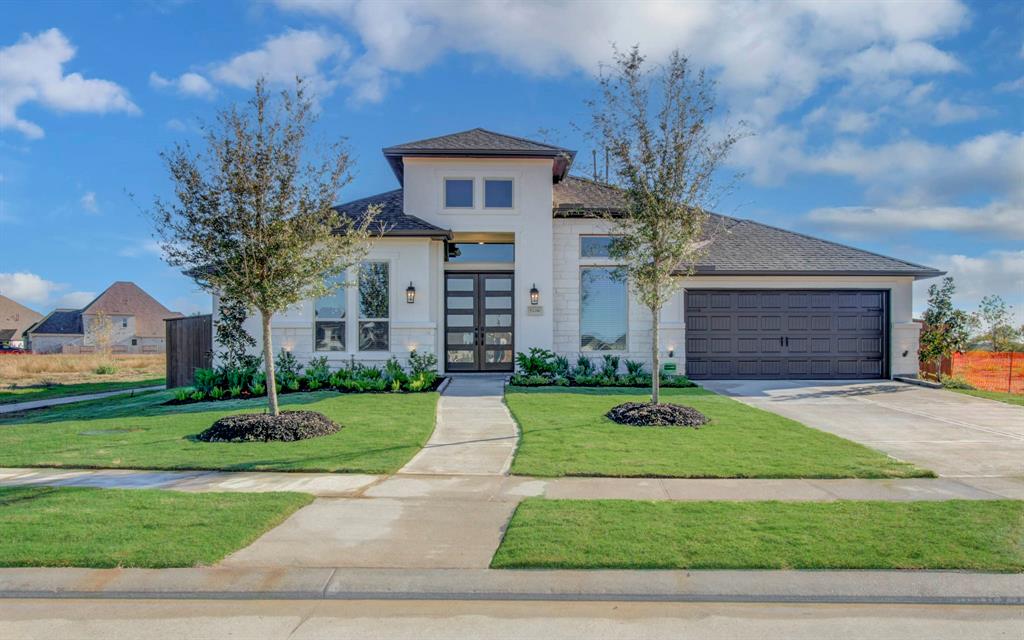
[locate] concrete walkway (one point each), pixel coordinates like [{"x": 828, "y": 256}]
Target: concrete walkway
[
  {"x": 475, "y": 434},
  {"x": 953, "y": 434},
  {"x": 53, "y": 402}
]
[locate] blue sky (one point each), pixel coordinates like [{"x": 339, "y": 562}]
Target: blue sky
[{"x": 896, "y": 127}]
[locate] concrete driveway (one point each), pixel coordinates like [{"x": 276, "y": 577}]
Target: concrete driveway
[{"x": 952, "y": 434}]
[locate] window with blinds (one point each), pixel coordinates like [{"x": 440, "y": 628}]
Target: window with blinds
[
  {"x": 604, "y": 310},
  {"x": 329, "y": 318}
]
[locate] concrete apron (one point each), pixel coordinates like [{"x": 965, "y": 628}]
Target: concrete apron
[{"x": 411, "y": 522}]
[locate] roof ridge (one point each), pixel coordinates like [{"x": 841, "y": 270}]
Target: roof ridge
[{"x": 519, "y": 138}]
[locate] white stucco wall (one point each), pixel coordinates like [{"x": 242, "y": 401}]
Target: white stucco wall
[
  {"x": 529, "y": 220},
  {"x": 413, "y": 326},
  {"x": 904, "y": 332}
]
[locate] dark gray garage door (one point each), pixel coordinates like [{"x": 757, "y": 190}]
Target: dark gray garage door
[{"x": 773, "y": 333}]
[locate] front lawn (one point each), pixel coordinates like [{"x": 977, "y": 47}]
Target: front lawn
[
  {"x": 78, "y": 527},
  {"x": 1000, "y": 396},
  {"x": 46, "y": 392},
  {"x": 624, "y": 534},
  {"x": 380, "y": 433},
  {"x": 565, "y": 433}
]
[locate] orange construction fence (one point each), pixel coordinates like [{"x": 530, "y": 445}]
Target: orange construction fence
[{"x": 988, "y": 370}]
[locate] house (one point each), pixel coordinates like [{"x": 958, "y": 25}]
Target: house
[
  {"x": 15, "y": 318},
  {"x": 136, "y": 323},
  {"x": 490, "y": 247}
]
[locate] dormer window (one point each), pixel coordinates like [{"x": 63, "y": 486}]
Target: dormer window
[
  {"x": 498, "y": 193},
  {"x": 458, "y": 193}
]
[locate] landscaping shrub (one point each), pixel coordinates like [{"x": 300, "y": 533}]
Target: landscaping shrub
[
  {"x": 260, "y": 427},
  {"x": 105, "y": 370},
  {"x": 541, "y": 367},
  {"x": 955, "y": 382},
  {"x": 645, "y": 414},
  {"x": 249, "y": 382}
]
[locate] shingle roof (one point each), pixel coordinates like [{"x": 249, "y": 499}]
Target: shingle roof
[
  {"x": 61, "y": 321},
  {"x": 479, "y": 143},
  {"x": 14, "y": 315},
  {"x": 392, "y": 219},
  {"x": 127, "y": 298},
  {"x": 745, "y": 247}
]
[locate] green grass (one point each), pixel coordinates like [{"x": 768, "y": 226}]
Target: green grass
[
  {"x": 28, "y": 394},
  {"x": 380, "y": 433},
  {"x": 78, "y": 527},
  {"x": 1001, "y": 396},
  {"x": 565, "y": 433},
  {"x": 624, "y": 534}
]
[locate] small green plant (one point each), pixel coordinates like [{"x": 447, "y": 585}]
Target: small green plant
[
  {"x": 584, "y": 366},
  {"x": 339, "y": 377},
  {"x": 181, "y": 394},
  {"x": 536, "y": 362},
  {"x": 287, "y": 365},
  {"x": 235, "y": 391},
  {"x": 258, "y": 386},
  {"x": 955, "y": 382},
  {"x": 313, "y": 384},
  {"x": 217, "y": 393},
  {"x": 610, "y": 366},
  {"x": 422, "y": 362},
  {"x": 393, "y": 371},
  {"x": 318, "y": 370},
  {"x": 293, "y": 383},
  {"x": 205, "y": 380},
  {"x": 634, "y": 367},
  {"x": 105, "y": 370},
  {"x": 396, "y": 386},
  {"x": 531, "y": 380},
  {"x": 561, "y": 366},
  {"x": 198, "y": 395}
]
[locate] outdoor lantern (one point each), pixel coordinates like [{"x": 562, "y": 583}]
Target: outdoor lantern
[
  {"x": 410, "y": 294},
  {"x": 534, "y": 294}
]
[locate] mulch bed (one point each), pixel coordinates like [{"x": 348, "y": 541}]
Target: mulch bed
[
  {"x": 289, "y": 426},
  {"x": 645, "y": 414}
]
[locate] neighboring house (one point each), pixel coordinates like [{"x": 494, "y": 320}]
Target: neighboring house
[
  {"x": 490, "y": 247},
  {"x": 15, "y": 318},
  {"x": 136, "y": 323}
]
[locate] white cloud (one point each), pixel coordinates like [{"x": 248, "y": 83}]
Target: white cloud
[
  {"x": 141, "y": 248},
  {"x": 189, "y": 84},
  {"x": 1010, "y": 86},
  {"x": 74, "y": 300},
  {"x": 947, "y": 112},
  {"x": 88, "y": 202},
  {"x": 27, "y": 288},
  {"x": 32, "y": 70},
  {"x": 774, "y": 54},
  {"x": 175, "y": 124},
  {"x": 995, "y": 272},
  {"x": 282, "y": 58},
  {"x": 996, "y": 219}
]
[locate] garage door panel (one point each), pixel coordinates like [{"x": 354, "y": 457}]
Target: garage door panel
[{"x": 786, "y": 334}]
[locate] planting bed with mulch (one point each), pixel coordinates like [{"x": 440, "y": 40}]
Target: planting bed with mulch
[
  {"x": 288, "y": 426},
  {"x": 664, "y": 414}
]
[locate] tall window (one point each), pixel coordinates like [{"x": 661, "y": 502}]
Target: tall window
[
  {"x": 374, "y": 307},
  {"x": 604, "y": 310},
  {"x": 498, "y": 193},
  {"x": 329, "y": 319},
  {"x": 458, "y": 193}
]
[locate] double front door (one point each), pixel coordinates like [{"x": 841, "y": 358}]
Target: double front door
[{"x": 478, "y": 310}]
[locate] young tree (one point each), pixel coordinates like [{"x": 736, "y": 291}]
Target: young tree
[
  {"x": 655, "y": 125},
  {"x": 946, "y": 328},
  {"x": 230, "y": 333},
  {"x": 101, "y": 331},
  {"x": 253, "y": 217},
  {"x": 996, "y": 317}
]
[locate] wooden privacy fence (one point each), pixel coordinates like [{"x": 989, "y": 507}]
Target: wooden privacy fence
[
  {"x": 988, "y": 370},
  {"x": 189, "y": 347}
]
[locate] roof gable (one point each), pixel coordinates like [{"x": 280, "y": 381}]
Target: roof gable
[
  {"x": 392, "y": 219},
  {"x": 128, "y": 299},
  {"x": 60, "y": 321},
  {"x": 14, "y": 315}
]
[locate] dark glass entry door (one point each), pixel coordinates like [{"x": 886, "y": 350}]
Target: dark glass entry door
[{"x": 478, "y": 309}]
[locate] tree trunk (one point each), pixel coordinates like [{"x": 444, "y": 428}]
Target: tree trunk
[
  {"x": 655, "y": 356},
  {"x": 268, "y": 363}
]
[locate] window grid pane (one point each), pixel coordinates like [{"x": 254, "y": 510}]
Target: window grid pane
[
  {"x": 498, "y": 194},
  {"x": 603, "y": 310},
  {"x": 596, "y": 246},
  {"x": 329, "y": 317},
  {"x": 458, "y": 193}
]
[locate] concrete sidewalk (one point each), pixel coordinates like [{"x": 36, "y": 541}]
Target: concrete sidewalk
[
  {"x": 53, "y": 402},
  {"x": 914, "y": 587},
  {"x": 495, "y": 488},
  {"x": 475, "y": 433}
]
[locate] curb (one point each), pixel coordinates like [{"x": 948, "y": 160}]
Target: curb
[{"x": 810, "y": 587}]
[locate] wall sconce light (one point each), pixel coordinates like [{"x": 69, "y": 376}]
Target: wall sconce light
[
  {"x": 534, "y": 294},
  {"x": 671, "y": 352},
  {"x": 410, "y": 294}
]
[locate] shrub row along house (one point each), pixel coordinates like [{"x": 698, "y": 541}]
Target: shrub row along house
[
  {"x": 490, "y": 247},
  {"x": 133, "y": 319}
]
